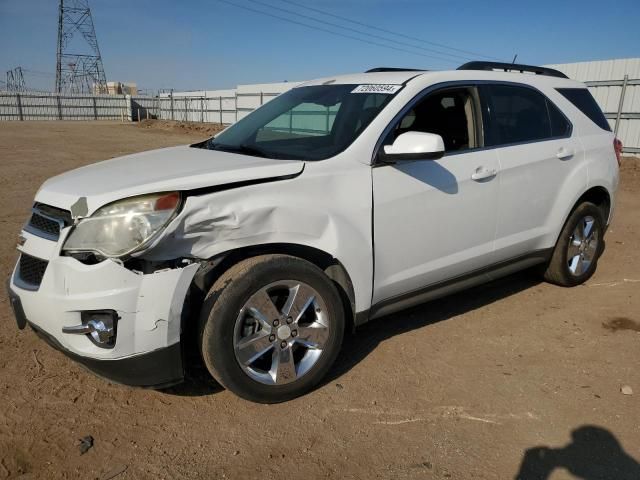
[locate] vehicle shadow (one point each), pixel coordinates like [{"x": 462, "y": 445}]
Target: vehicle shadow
[
  {"x": 431, "y": 173},
  {"x": 357, "y": 346},
  {"x": 593, "y": 454},
  {"x": 197, "y": 380}
]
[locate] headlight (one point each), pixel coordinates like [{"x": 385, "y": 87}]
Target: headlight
[{"x": 122, "y": 227}]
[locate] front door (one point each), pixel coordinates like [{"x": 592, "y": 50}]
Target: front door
[{"x": 435, "y": 220}]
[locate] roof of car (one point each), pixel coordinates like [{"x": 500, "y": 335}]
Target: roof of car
[{"x": 399, "y": 77}]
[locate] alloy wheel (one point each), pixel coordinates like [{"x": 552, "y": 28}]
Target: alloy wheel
[{"x": 280, "y": 332}]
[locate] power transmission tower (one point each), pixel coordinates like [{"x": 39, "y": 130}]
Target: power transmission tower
[
  {"x": 15, "y": 80},
  {"x": 82, "y": 70}
]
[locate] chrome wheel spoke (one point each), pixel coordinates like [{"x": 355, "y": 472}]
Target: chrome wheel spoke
[
  {"x": 250, "y": 348},
  {"x": 313, "y": 336},
  {"x": 590, "y": 251},
  {"x": 574, "y": 249},
  {"x": 574, "y": 264},
  {"x": 577, "y": 234},
  {"x": 261, "y": 307},
  {"x": 300, "y": 298},
  {"x": 283, "y": 367},
  {"x": 587, "y": 227},
  {"x": 579, "y": 266}
]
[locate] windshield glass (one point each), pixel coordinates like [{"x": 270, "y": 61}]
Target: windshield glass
[{"x": 306, "y": 123}]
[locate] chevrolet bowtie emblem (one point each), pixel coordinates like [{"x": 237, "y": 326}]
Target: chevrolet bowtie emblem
[{"x": 21, "y": 240}]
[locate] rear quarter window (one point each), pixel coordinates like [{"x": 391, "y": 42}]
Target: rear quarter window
[{"x": 584, "y": 101}]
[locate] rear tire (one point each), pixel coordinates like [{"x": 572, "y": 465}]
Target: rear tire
[
  {"x": 581, "y": 242},
  {"x": 271, "y": 327}
]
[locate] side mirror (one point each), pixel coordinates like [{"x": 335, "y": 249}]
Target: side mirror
[{"x": 414, "y": 146}]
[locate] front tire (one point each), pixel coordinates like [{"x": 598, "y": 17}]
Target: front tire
[
  {"x": 581, "y": 242},
  {"x": 271, "y": 327}
]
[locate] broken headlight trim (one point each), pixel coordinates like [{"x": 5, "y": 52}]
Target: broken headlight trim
[{"x": 123, "y": 227}]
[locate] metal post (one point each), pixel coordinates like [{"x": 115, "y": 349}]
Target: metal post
[
  {"x": 202, "y": 110},
  {"x": 261, "y": 99},
  {"x": 95, "y": 109},
  {"x": 171, "y": 101},
  {"x": 621, "y": 104},
  {"x": 220, "y": 105},
  {"x": 186, "y": 109},
  {"x": 59, "y": 107},
  {"x": 19, "y": 102},
  {"x": 236, "y": 99}
]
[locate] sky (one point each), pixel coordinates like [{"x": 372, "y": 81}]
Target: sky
[{"x": 210, "y": 44}]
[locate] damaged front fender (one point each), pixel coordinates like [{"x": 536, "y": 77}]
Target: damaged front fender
[{"x": 320, "y": 209}]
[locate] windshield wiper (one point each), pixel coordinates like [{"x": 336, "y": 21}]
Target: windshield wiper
[{"x": 244, "y": 149}]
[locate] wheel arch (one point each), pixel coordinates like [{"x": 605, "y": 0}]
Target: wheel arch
[
  {"x": 331, "y": 266},
  {"x": 598, "y": 195}
]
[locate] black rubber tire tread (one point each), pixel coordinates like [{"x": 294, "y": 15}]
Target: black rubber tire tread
[
  {"x": 220, "y": 309},
  {"x": 557, "y": 271}
]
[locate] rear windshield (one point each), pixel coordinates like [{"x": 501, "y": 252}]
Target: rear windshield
[
  {"x": 306, "y": 123},
  {"x": 582, "y": 99}
]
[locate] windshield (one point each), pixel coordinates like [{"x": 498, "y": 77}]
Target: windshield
[{"x": 306, "y": 123}]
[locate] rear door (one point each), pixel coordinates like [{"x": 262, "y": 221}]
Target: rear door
[{"x": 537, "y": 152}]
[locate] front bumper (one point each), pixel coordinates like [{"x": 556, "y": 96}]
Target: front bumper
[
  {"x": 157, "y": 369},
  {"x": 147, "y": 350}
]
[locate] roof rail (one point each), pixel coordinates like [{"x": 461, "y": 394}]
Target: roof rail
[
  {"x": 392, "y": 69},
  {"x": 512, "y": 67}
]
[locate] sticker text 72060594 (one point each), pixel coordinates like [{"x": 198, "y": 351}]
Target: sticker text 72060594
[{"x": 379, "y": 88}]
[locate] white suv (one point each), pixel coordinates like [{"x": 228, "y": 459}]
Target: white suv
[{"x": 343, "y": 200}]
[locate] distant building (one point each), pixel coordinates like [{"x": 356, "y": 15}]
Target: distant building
[{"x": 122, "y": 88}]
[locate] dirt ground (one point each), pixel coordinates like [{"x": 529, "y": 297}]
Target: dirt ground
[{"x": 470, "y": 386}]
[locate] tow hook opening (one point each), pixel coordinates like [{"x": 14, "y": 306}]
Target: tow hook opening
[{"x": 100, "y": 326}]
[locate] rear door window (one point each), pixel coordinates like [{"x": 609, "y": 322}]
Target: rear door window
[
  {"x": 583, "y": 100},
  {"x": 521, "y": 114}
]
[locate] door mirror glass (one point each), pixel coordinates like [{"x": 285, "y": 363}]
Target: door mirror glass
[{"x": 414, "y": 146}]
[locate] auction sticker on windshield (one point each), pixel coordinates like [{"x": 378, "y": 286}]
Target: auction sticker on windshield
[{"x": 381, "y": 88}]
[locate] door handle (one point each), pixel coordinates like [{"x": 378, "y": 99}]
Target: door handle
[
  {"x": 565, "y": 153},
  {"x": 482, "y": 173}
]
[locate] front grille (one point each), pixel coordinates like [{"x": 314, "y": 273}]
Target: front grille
[
  {"x": 31, "y": 270},
  {"x": 44, "y": 224},
  {"x": 47, "y": 221}
]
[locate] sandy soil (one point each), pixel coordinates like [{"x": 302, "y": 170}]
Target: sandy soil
[{"x": 460, "y": 388}]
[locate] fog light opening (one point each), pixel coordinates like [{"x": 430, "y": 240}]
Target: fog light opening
[{"x": 100, "y": 327}]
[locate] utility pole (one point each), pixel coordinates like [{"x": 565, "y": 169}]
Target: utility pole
[
  {"x": 81, "y": 71},
  {"x": 15, "y": 80}
]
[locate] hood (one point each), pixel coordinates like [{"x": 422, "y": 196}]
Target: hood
[{"x": 166, "y": 169}]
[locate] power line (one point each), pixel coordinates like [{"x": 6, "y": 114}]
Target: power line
[
  {"x": 38, "y": 73},
  {"x": 315, "y": 27},
  {"x": 360, "y": 32},
  {"x": 323, "y": 12}
]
